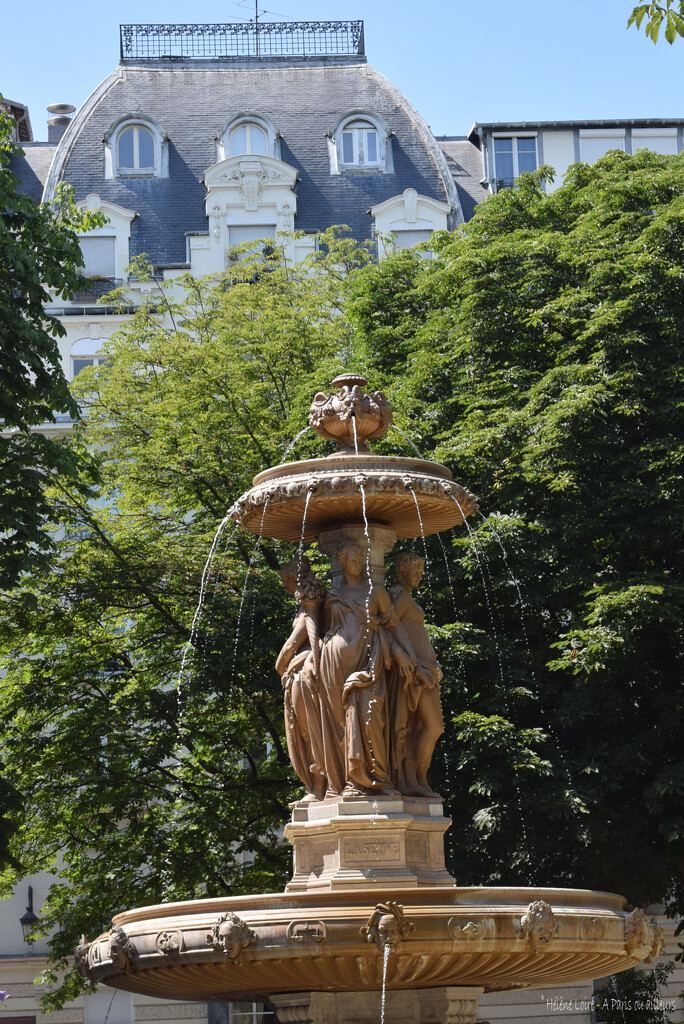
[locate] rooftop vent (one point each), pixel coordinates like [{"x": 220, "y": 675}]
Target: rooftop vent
[
  {"x": 60, "y": 121},
  {"x": 274, "y": 39}
]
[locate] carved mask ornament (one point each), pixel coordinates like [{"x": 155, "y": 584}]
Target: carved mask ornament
[
  {"x": 387, "y": 925},
  {"x": 121, "y": 949},
  {"x": 538, "y": 925},
  {"x": 230, "y": 935}
]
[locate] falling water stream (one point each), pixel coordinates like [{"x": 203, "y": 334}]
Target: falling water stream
[
  {"x": 475, "y": 547},
  {"x": 523, "y": 625},
  {"x": 198, "y": 610},
  {"x": 476, "y": 551},
  {"x": 244, "y": 589},
  {"x": 293, "y": 442},
  {"x": 368, "y": 600},
  {"x": 425, "y": 550},
  {"x": 300, "y": 549},
  {"x": 356, "y": 440},
  {"x": 407, "y": 438},
  {"x": 109, "y": 1008},
  {"x": 385, "y": 958}
]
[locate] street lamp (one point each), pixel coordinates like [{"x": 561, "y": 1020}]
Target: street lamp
[{"x": 28, "y": 919}]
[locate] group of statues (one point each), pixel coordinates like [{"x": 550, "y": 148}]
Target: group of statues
[{"x": 361, "y": 680}]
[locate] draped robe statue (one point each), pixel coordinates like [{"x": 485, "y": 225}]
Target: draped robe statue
[
  {"x": 363, "y": 641},
  {"x": 416, "y": 711},
  {"x": 298, "y": 665}
]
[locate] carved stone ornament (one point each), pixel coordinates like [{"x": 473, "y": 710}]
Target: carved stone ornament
[
  {"x": 250, "y": 179},
  {"x": 350, "y": 417},
  {"x": 230, "y": 935},
  {"x": 461, "y": 930},
  {"x": 81, "y": 958},
  {"x": 121, "y": 950},
  {"x": 592, "y": 928},
  {"x": 307, "y": 931},
  {"x": 538, "y": 925},
  {"x": 387, "y": 925},
  {"x": 644, "y": 938},
  {"x": 169, "y": 942}
]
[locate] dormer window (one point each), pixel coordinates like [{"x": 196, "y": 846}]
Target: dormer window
[
  {"x": 248, "y": 140},
  {"x": 248, "y": 134},
  {"x": 135, "y": 149},
  {"x": 513, "y": 154},
  {"x": 360, "y": 142}
]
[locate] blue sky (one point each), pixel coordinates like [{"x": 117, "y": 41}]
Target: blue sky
[{"x": 457, "y": 61}]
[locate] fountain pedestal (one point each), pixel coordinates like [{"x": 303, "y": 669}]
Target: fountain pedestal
[
  {"x": 383, "y": 840},
  {"x": 447, "y": 1005}
]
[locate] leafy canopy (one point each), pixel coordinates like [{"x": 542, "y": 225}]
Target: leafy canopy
[
  {"x": 538, "y": 355},
  {"x": 670, "y": 13},
  {"x": 152, "y": 783},
  {"x": 39, "y": 250}
]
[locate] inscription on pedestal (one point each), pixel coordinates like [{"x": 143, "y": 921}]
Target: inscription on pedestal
[{"x": 357, "y": 852}]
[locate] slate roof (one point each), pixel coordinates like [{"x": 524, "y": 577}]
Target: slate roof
[
  {"x": 193, "y": 104},
  {"x": 33, "y": 167},
  {"x": 465, "y": 164}
]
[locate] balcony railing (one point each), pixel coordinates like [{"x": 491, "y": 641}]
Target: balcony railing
[
  {"x": 91, "y": 288},
  {"x": 498, "y": 184},
  {"x": 242, "y": 39}
]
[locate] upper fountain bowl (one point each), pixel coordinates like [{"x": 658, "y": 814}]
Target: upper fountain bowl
[
  {"x": 296, "y": 500},
  {"x": 299, "y": 499}
]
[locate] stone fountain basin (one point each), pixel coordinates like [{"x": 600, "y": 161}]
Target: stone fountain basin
[
  {"x": 300, "y": 499},
  {"x": 317, "y": 942}
]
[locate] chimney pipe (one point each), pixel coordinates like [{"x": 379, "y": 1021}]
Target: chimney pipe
[{"x": 61, "y": 120}]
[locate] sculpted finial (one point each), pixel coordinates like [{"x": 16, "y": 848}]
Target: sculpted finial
[{"x": 350, "y": 417}]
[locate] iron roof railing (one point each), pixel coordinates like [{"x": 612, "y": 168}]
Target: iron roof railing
[{"x": 242, "y": 39}]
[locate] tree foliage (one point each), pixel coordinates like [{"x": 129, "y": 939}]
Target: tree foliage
[
  {"x": 150, "y": 781},
  {"x": 539, "y": 356},
  {"x": 39, "y": 250},
  {"x": 670, "y": 13}
]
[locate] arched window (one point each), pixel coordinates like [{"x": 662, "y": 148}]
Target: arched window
[
  {"x": 136, "y": 146},
  {"x": 247, "y": 139},
  {"x": 360, "y": 142},
  {"x": 135, "y": 149},
  {"x": 248, "y": 134}
]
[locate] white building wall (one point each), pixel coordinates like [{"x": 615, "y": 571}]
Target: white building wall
[{"x": 558, "y": 150}]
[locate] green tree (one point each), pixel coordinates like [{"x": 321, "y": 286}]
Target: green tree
[
  {"x": 539, "y": 355},
  {"x": 178, "y": 781},
  {"x": 637, "y": 997},
  {"x": 670, "y": 13},
  {"x": 38, "y": 250}
]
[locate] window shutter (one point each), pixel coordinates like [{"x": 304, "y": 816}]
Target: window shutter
[
  {"x": 99, "y": 256},
  {"x": 249, "y": 232},
  {"x": 592, "y": 147}
]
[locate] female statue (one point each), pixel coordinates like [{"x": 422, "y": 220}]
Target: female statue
[
  {"x": 363, "y": 639},
  {"x": 298, "y": 666},
  {"x": 416, "y": 709}
]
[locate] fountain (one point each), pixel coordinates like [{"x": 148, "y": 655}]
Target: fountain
[{"x": 370, "y": 904}]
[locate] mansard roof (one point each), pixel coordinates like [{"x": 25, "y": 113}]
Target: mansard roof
[{"x": 192, "y": 105}]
